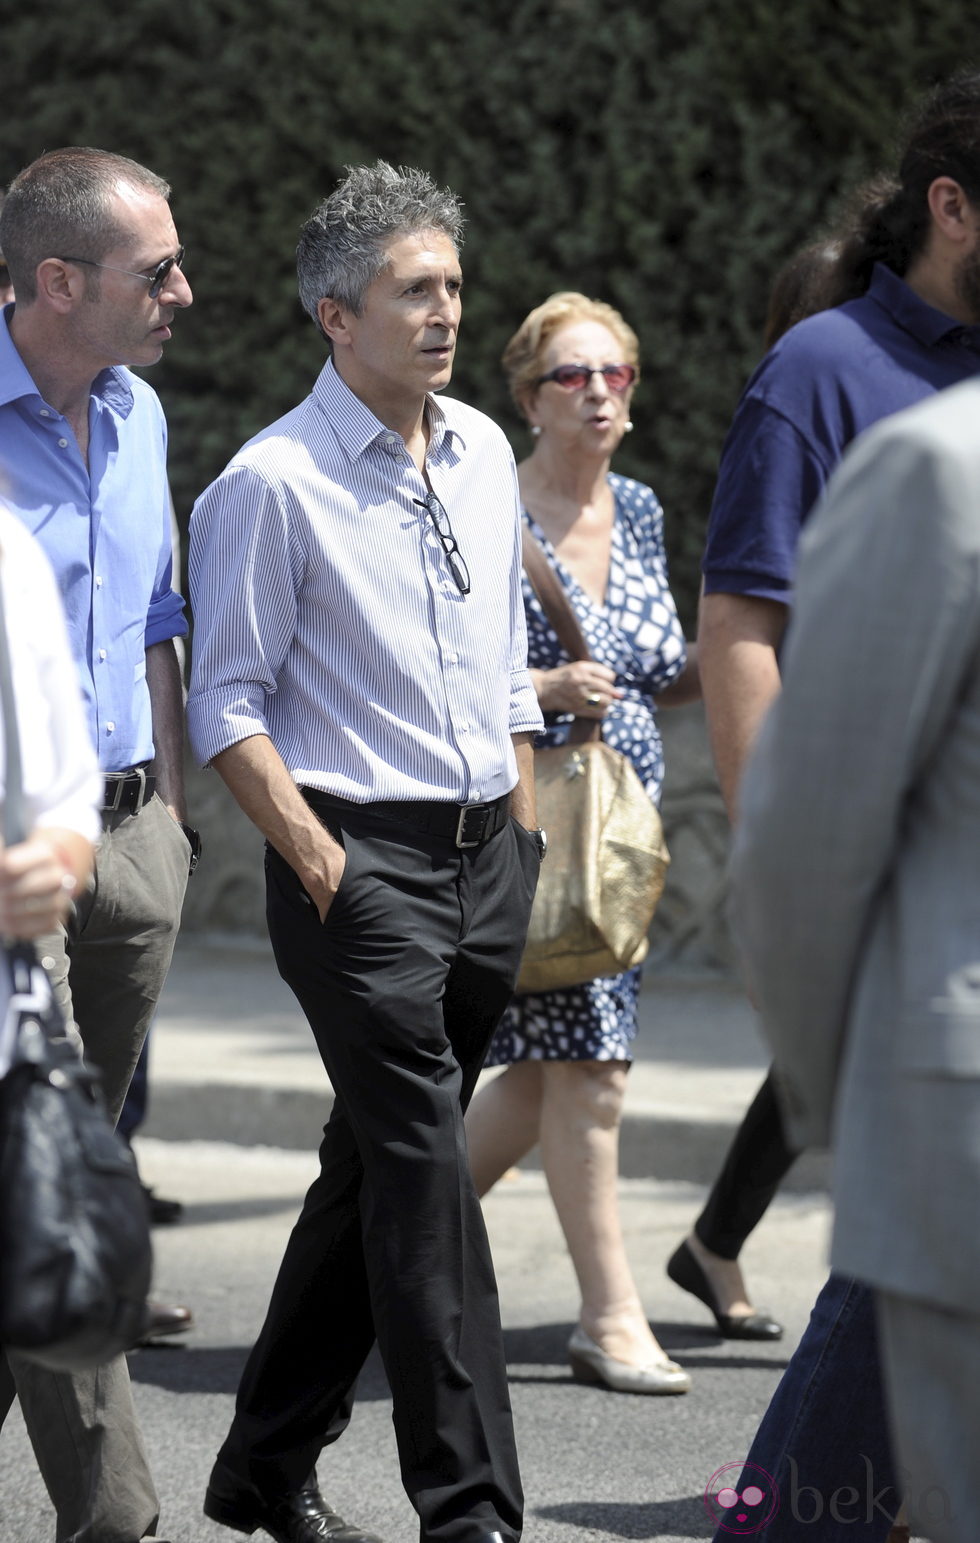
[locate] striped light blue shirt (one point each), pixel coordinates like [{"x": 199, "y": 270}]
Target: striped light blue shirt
[{"x": 327, "y": 617}]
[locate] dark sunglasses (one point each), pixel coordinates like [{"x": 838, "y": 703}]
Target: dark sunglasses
[
  {"x": 156, "y": 279},
  {"x": 448, "y": 542},
  {"x": 572, "y": 377}
]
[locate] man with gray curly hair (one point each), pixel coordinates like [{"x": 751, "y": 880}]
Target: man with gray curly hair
[{"x": 360, "y": 683}]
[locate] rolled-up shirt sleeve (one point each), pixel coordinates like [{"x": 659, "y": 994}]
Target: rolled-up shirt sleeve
[
  {"x": 244, "y": 577},
  {"x": 166, "y": 616}
]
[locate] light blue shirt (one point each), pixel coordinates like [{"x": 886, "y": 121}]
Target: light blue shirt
[
  {"x": 326, "y": 615},
  {"x": 106, "y": 530}
]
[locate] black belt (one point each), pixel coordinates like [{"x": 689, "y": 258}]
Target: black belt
[
  {"x": 466, "y": 825},
  {"x": 129, "y": 790}
]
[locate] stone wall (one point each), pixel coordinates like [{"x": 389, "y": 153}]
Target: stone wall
[{"x": 689, "y": 932}]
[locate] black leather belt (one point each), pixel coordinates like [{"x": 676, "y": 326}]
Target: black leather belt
[
  {"x": 466, "y": 825},
  {"x": 129, "y": 790}
]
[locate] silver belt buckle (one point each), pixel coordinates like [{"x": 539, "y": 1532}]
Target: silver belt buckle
[
  {"x": 120, "y": 780},
  {"x": 112, "y": 804},
  {"x": 483, "y": 813}
]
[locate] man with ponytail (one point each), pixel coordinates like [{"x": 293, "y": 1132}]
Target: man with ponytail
[{"x": 901, "y": 321}]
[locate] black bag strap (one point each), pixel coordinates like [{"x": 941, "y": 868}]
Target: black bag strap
[{"x": 564, "y": 623}]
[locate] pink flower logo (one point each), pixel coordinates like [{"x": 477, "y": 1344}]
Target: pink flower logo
[{"x": 745, "y": 1510}]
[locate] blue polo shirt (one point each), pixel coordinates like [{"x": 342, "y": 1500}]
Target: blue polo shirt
[
  {"x": 823, "y": 383},
  {"x": 106, "y": 530}
]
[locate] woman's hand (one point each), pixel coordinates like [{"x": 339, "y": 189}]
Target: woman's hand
[
  {"x": 583, "y": 687},
  {"x": 37, "y": 881}
]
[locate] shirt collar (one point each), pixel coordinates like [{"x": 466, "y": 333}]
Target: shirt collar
[
  {"x": 111, "y": 386},
  {"x": 355, "y": 424},
  {"x": 923, "y": 321}
]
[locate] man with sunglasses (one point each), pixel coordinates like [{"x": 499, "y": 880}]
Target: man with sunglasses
[
  {"x": 95, "y": 265},
  {"x": 360, "y": 683}
]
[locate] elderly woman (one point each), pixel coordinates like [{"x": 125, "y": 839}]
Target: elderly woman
[{"x": 572, "y": 367}]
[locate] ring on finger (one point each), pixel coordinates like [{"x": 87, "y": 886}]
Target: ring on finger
[{"x": 593, "y": 699}]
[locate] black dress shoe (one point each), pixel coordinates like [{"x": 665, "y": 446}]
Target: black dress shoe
[
  {"x": 163, "y": 1213},
  {"x": 302, "y": 1517},
  {"x": 684, "y": 1270},
  {"x": 166, "y": 1318}
]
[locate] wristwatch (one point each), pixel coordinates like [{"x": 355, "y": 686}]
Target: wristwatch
[
  {"x": 196, "y": 845},
  {"x": 540, "y": 839}
]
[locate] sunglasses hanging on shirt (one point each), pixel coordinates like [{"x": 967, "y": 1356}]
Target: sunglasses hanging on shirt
[{"x": 447, "y": 540}]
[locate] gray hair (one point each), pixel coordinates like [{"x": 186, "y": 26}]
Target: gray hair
[
  {"x": 61, "y": 205},
  {"x": 343, "y": 245}
]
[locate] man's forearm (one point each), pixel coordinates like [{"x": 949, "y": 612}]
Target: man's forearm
[
  {"x": 257, "y": 778},
  {"x": 166, "y": 690},
  {"x": 738, "y": 638},
  {"x": 522, "y": 805}
]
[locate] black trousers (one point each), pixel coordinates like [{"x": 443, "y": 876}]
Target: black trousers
[
  {"x": 403, "y": 986},
  {"x": 757, "y": 1162}
]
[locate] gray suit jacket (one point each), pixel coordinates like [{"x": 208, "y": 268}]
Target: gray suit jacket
[{"x": 857, "y": 860}]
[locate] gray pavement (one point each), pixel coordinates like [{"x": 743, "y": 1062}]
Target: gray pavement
[
  {"x": 598, "y": 1467},
  {"x": 233, "y": 1060},
  {"x": 238, "y": 1099}
]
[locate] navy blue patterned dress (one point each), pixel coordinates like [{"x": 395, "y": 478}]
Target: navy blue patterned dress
[{"x": 638, "y": 635}]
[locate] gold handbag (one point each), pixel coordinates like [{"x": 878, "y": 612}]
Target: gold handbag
[{"x": 607, "y": 858}]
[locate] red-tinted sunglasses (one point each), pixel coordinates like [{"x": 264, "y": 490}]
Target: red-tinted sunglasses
[{"x": 572, "y": 377}]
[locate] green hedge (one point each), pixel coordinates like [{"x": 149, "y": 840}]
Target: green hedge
[{"x": 666, "y": 158}]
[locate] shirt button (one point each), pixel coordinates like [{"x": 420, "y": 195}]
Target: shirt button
[
  {"x": 45, "y": 413},
  {"x": 98, "y": 581},
  {"x": 452, "y": 658},
  {"x": 101, "y": 653},
  {"x": 109, "y": 727},
  {"x": 63, "y": 444}
]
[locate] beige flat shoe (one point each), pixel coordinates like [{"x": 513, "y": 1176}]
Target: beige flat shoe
[{"x": 591, "y": 1364}]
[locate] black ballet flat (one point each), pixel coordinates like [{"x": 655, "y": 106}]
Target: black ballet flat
[{"x": 684, "y": 1270}]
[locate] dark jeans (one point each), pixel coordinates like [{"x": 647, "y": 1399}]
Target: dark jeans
[
  {"x": 757, "y": 1162},
  {"x": 824, "y": 1438},
  {"x": 403, "y": 986}
]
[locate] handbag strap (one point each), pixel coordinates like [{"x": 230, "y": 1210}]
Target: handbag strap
[
  {"x": 14, "y": 824},
  {"x": 564, "y": 623}
]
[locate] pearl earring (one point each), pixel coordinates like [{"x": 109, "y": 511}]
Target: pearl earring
[
  {"x": 628, "y": 426},
  {"x": 535, "y": 429}
]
